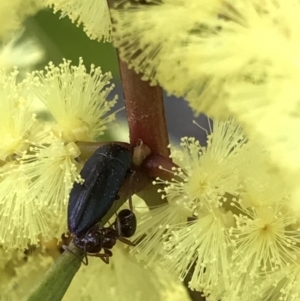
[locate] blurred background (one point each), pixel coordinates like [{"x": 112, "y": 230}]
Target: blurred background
[{"x": 59, "y": 38}]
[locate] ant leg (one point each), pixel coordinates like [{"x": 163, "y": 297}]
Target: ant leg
[
  {"x": 126, "y": 241},
  {"x": 125, "y": 223},
  {"x": 130, "y": 191},
  {"x": 85, "y": 256},
  {"x": 130, "y": 203},
  {"x": 84, "y": 260},
  {"x": 105, "y": 256},
  {"x": 192, "y": 219},
  {"x": 117, "y": 225},
  {"x": 115, "y": 211}
]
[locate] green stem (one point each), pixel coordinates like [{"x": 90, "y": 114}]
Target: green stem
[{"x": 56, "y": 281}]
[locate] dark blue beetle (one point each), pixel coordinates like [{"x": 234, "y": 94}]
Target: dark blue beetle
[{"x": 103, "y": 174}]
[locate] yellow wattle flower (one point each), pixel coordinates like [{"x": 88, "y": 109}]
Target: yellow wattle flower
[
  {"x": 76, "y": 99},
  {"x": 92, "y": 14}
]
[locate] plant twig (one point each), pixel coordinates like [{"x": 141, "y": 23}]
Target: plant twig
[
  {"x": 56, "y": 281},
  {"x": 145, "y": 112}
]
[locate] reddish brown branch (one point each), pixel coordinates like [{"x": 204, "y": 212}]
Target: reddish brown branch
[
  {"x": 158, "y": 166},
  {"x": 145, "y": 112}
]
